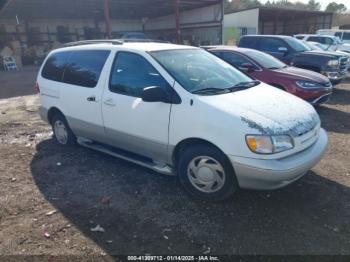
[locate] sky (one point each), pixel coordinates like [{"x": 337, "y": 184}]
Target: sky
[{"x": 324, "y": 3}]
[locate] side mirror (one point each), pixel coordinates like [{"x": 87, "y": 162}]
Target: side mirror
[
  {"x": 155, "y": 94},
  {"x": 283, "y": 50},
  {"x": 247, "y": 67}
]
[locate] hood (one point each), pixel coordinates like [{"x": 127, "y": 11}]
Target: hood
[
  {"x": 329, "y": 54},
  {"x": 302, "y": 74},
  {"x": 267, "y": 110}
]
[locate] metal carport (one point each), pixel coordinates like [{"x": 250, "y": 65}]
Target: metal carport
[{"x": 172, "y": 18}]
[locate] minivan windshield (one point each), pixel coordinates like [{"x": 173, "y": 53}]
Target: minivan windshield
[
  {"x": 296, "y": 44},
  {"x": 197, "y": 70},
  {"x": 265, "y": 60}
]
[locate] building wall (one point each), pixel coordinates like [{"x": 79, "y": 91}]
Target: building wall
[
  {"x": 301, "y": 25},
  {"x": 248, "y": 18},
  {"x": 47, "y": 28},
  {"x": 240, "y": 23}
]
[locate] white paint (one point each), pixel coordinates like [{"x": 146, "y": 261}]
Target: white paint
[{"x": 248, "y": 18}]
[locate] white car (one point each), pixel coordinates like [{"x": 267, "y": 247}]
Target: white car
[
  {"x": 328, "y": 42},
  {"x": 343, "y": 35},
  {"x": 179, "y": 111}
]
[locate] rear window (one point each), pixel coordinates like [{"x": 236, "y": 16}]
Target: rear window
[
  {"x": 82, "y": 68},
  {"x": 54, "y": 67}
]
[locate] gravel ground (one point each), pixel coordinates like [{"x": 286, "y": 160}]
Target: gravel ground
[{"x": 51, "y": 197}]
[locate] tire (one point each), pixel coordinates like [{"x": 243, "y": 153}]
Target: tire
[
  {"x": 62, "y": 132},
  {"x": 200, "y": 184}
]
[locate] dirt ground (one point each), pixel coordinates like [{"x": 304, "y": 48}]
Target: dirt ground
[{"x": 51, "y": 197}]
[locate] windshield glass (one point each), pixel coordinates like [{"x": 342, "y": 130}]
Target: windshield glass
[
  {"x": 196, "y": 69},
  {"x": 313, "y": 46},
  {"x": 265, "y": 60},
  {"x": 297, "y": 45}
]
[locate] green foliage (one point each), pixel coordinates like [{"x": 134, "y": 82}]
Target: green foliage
[
  {"x": 312, "y": 5},
  {"x": 336, "y": 8},
  {"x": 235, "y": 5}
]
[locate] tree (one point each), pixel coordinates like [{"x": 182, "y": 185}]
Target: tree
[
  {"x": 336, "y": 8},
  {"x": 313, "y": 5},
  {"x": 234, "y": 5}
]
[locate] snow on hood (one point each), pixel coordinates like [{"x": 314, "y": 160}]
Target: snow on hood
[{"x": 268, "y": 110}]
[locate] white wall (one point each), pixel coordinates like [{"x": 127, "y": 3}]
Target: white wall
[{"x": 248, "y": 19}]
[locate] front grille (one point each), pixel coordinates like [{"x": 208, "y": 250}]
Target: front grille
[{"x": 344, "y": 64}]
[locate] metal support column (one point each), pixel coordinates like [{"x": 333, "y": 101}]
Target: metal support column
[
  {"x": 107, "y": 19},
  {"x": 177, "y": 21}
]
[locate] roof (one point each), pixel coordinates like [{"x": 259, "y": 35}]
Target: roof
[
  {"x": 119, "y": 9},
  {"x": 268, "y": 12},
  {"x": 148, "y": 47},
  {"x": 276, "y": 36}
]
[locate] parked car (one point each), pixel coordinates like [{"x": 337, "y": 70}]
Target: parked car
[
  {"x": 293, "y": 52},
  {"x": 343, "y": 35},
  {"x": 329, "y": 43},
  {"x": 308, "y": 85},
  {"x": 179, "y": 110},
  {"x": 319, "y": 47}
]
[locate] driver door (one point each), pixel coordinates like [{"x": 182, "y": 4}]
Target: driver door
[{"x": 130, "y": 123}]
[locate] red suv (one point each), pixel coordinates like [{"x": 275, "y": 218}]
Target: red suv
[{"x": 308, "y": 85}]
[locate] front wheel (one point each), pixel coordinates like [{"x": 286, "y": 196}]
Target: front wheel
[{"x": 206, "y": 173}]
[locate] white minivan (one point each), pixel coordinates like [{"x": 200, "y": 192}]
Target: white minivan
[{"x": 180, "y": 111}]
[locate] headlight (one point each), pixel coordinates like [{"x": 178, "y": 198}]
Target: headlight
[
  {"x": 333, "y": 63},
  {"x": 263, "y": 144},
  {"x": 308, "y": 84}
]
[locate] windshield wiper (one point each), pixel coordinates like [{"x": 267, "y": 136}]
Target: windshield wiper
[
  {"x": 244, "y": 85},
  {"x": 211, "y": 90}
]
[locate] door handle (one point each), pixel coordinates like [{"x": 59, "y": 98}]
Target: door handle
[
  {"x": 91, "y": 99},
  {"x": 109, "y": 102}
]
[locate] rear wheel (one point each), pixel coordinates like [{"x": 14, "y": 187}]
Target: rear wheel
[
  {"x": 61, "y": 130},
  {"x": 206, "y": 173}
]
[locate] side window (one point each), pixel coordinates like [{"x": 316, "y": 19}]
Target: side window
[
  {"x": 300, "y": 37},
  {"x": 346, "y": 36},
  {"x": 84, "y": 67},
  {"x": 271, "y": 45},
  {"x": 54, "y": 66},
  {"x": 329, "y": 41},
  {"x": 340, "y": 34},
  {"x": 321, "y": 40},
  {"x": 131, "y": 73},
  {"x": 234, "y": 59},
  {"x": 248, "y": 42}
]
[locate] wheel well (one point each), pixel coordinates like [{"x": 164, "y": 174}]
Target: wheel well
[
  {"x": 189, "y": 142},
  {"x": 53, "y": 111}
]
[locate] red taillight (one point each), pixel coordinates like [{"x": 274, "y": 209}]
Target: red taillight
[{"x": 36, "y": 88}]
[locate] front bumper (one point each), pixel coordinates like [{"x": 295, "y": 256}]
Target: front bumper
[
  {"x": 320, "y": 100},
  {"x": 335, "y": 76},
  {"x": 269, "y": 174}
]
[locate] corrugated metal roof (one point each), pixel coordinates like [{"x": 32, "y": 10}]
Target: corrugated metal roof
[{"x": 123, "y": 9}]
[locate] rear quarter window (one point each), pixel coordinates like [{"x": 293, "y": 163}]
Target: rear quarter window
[
  {"x": 84, "y": 67},
  {"x": 55, "y": 65}
]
